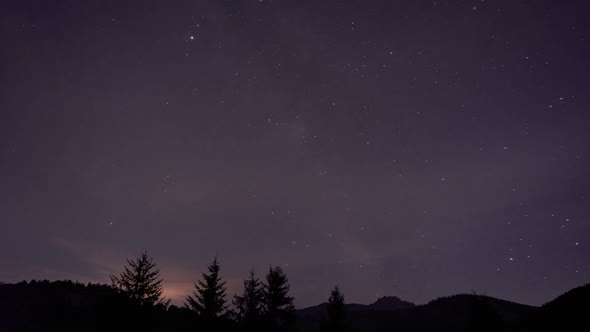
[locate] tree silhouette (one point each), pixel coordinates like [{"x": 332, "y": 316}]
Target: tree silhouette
[
  {"x": 334, "y": 319},
  {"x": 68, "y": 306},
  {"x": 250, "y": 305},
  {"x": 209, "y": 298},
  {"x": 280, "y": 310},
  {"x": 141, "y": 281}
]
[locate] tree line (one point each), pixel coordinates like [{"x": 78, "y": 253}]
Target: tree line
[{"x": 264, "y": 305}]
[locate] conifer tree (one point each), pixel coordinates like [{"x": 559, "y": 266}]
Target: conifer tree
[
  {"x": 209, "y": 298},
  {"x": 279, "y": 308},
  {"x": 334, "y": 319},
  {"x": 250, "y": 304},
  {"x": 141, "y": 281}
]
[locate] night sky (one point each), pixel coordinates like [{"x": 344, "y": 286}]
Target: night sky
[{"x": 407, "y": 148}]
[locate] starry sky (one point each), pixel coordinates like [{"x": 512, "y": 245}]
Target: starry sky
[{"x": 409, "y": 148}]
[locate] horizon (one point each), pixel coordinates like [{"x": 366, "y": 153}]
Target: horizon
[
  {"x": 181, "y": 294},
  {"x": 403, "y": 148}
]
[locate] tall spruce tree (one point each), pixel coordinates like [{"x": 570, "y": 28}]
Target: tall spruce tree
[
  {"x": 141, "y": 281},
  {"x": 250, "y": 305},
  {"x": 209, "y": 298},
  {"x": 279, "y": 308},
  {"x": 333, "y": 321}
]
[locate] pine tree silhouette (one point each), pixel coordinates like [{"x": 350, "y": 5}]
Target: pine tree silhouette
[
  {"x": 209, "y": 298},
  {"x": 279, "y": 308},
  {"x": 334, "y": 319},
  {"x": 250, "y": 304},
  {"x": 141, "y": 281}
]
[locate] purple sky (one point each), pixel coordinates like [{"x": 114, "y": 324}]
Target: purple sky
[{"x": 408, "y": 148}]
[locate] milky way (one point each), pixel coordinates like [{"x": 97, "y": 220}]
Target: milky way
[{"x": 408, "y": 148}]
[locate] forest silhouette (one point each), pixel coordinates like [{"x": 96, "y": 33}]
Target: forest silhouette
[{"x": 134, "y": 301}]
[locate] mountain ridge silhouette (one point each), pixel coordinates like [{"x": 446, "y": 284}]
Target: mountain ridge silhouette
[
  {"x": 384, "y": 303},
  {"x": 72, "y": 306}
]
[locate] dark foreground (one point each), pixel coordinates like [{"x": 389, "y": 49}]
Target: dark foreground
[{"x": 69, "y": 306}]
